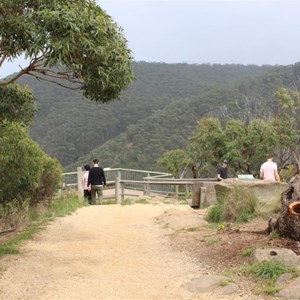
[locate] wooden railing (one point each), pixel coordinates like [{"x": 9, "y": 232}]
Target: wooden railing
[
  {"x": 198, "y": 191},
  {"x": 149, "y": 184}
]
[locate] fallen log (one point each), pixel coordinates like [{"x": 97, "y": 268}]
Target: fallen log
[{"x": 287, "y": 222}]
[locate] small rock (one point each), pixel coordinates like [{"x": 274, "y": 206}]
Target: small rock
[
  {"x": 205, "y": 283},
  {"x": 282, "y": 280},
  {"x": 291, "y": 291}
]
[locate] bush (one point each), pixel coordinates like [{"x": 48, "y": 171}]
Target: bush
[
  {"x": 28, "y": 172},
  {"x": 238, "y": 205},
  {"x": 13, "y": 214},
  {"x": 20, "y": 162},
  {"x": 49, "y": 182}
]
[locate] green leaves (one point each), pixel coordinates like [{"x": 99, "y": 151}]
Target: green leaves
[
  {"x": 77, "y": 38},
  {"x": 245, "y": 144},
  {"x": 17, "y": 104},
  {"x": 175, "y": 161},
  {"x": 20, "y": 162}
]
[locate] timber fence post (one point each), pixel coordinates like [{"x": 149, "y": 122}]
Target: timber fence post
[
  {"x": 122, "y": 187},
  {"x": 196, "y": 197},
  {"x": 118, "y": 190},
  {"x": 79, "y": 183}
]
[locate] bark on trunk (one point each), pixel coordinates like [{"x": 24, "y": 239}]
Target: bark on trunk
[{"x": 287, "y": 223}]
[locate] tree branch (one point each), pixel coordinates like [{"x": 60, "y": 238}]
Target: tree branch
[
  {"x": 55, "y": 82},
  {"x": 2, "y": 59}
]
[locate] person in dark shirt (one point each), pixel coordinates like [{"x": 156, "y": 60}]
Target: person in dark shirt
[
  {"x": 223, "y": 171},
  {"x": 97, "y": 182}
]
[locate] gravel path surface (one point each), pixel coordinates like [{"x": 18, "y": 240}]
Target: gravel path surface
[
  {"x": 108, "y": 252},
  {"x": 100, "y": 252}
]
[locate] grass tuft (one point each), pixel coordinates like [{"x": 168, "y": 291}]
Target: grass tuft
[
  {"x": 127, "y": 201},
  {"x": 142, "y": 201},
  {"x": 238, "y": 205},
  {"x": 267, "y": 273}
]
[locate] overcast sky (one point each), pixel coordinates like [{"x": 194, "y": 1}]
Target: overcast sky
[{"x": 244, "y": 32}]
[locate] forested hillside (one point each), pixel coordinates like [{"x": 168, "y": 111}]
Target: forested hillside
[
  {"x": 145, "y": 141},
  {"x": 154, "y": 114}
]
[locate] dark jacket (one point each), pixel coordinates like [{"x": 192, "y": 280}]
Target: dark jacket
[
  {"x": 96, "y": 176},
  {"x": 223, "y": 173}
]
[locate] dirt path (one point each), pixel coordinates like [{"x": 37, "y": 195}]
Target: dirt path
[{"x": 101, "y": 252}]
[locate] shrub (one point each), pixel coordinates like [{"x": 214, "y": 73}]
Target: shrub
[
  {"x": 50, "y": 180},
  {"x": 238, "y": 205},
  {"x": 28, "y": 172},
  {"x": 20, "y": 162},
  {"x": 13, "y": 214}
]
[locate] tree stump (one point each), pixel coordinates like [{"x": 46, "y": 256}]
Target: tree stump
[{"x": 287, "y": 223}]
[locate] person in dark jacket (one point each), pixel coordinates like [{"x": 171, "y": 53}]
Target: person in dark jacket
[
  {"x": 97, "y": 182},
  {"x": 223, "y": 171}
]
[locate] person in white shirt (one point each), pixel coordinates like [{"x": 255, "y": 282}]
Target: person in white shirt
[
  {"x": 86, "y": 189},
  {"x": 268, "y": 170}
]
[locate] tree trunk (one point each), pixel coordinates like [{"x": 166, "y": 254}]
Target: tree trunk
[{"x": 287, "y": 223}]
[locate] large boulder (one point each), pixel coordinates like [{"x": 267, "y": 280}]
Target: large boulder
[
  {"x": 286, "y": 256},
  {"x": 267, "y": 192}
]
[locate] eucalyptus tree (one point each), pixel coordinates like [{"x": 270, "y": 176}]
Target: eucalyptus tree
[
  {"x": 17, "y": 104},
  {"x": 285, "y": 124},
  {"x": 74, "y": 44},
  {"x": 207, "y": 144},
  {"x": 175, "y": 161}
]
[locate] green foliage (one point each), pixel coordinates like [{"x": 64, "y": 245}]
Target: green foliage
[
  {"x": 29, "y": 172},
  {"x": 57, "y": 208},
  {"x": 12, "y": 246},
  {"x": 50, "y": 180},
  {"x": 215, "y": 213},
  {"x": 268, "y": 269},
  {"x": 136, "y": 132},
  {"x": 207, "y": 143},
  {"x": 238, "y": 205},
  {"x": 268, "y": 272},
  {"x": 13, "y": 214},
  {"x": 285, "y": 125},
  {"x": 127, "y": 201},
  {"x": 20, "y": 162},
  {"x": 156, "y": 113},
  {"x": 61, "y": 207},
  {"x": 142, "y": 201},
  {"x": 17, "y": 104},
  {"x": 287, "y": 173},
  {"x": 175, "y": 161},
  {"x": 74, "y": 41},
  {"x": 247, "y": 145}
]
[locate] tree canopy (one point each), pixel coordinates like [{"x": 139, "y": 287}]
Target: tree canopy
[
  {"x": 17, "y": 104},
  {"x": 246, "y": 144},
  {"x": 74, "y": 44}
]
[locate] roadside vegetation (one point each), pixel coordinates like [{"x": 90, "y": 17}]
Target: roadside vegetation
[
  {"x": 266, "y": 273},
  {"x": 35, "y": 219},
  {"x": 237, "y": 205}
]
